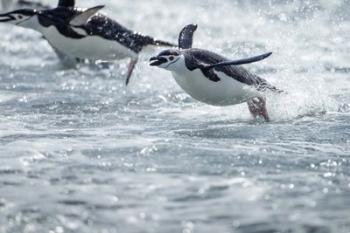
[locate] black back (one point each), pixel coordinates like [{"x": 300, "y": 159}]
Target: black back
[
  {"x": 199, "y": 59},
  {"x": 66, "y": 3},
  {"x": 98, "y": 25},
  {"x": 60, "y": 18}
]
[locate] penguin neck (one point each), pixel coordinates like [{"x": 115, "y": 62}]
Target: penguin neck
[
  {"x": 179, "y": 67},
  {"x": 181, "y": 73}
]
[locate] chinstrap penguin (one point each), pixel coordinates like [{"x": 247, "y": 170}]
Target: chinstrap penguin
[
  {"x": 213, "y": 79},
  {"x": 84, "y": 33}
]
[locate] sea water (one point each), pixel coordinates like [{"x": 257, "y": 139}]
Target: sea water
[{"x": 80, "y": 152}]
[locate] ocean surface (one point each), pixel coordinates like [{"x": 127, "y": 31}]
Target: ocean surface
[{"x": 80, "y": 152}]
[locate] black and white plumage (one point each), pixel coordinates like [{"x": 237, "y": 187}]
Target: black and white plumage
[
  {"x": 212, "y": 78},
  {"x": 95, "y": 25},
  {"x": 84, "y": 33}
]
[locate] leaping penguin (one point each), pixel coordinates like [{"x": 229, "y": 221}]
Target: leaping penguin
[
  {"x": 213, "y": 79},
  {"x": 84, "y": 33}
]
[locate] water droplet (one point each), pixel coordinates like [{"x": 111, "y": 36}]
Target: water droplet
[
  {"x": 188, "y": 227},
  {"x": 59, "y": 229}
]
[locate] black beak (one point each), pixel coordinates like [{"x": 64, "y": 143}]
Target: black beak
[
  {"x": 156, "y": 61},
  {"x": 6, "y": 18}
]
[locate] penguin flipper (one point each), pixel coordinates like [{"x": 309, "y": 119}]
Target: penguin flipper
[
  {"x": 240, "y": 61},
  {"x": 84, "y": 17},
  {"x": 186, "y": 36},
  {"x": 201, "y": 65}
]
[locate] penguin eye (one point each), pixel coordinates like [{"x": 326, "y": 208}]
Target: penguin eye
[
  {"x": 20, "y": 17},
  {"x": 171, "y": 58}
]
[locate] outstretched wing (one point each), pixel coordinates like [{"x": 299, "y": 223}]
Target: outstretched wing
[
  {"x": 83, "y": 17},
  {"x": 202, "y": 59},
  {"x": 240, "y": 61},
  {"x": 186, "y": 36}
]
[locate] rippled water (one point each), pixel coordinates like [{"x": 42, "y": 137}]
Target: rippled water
[{"x": 81, "y": 153}]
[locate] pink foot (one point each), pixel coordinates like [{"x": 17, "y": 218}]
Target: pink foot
[
  {"x": 257, "y": 107},
  {"x": 131, "y": 67}
]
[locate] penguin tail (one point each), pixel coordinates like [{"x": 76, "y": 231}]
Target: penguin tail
[
  {"x": 162, "y": 43},
  {"x": 269, "y": 87},
  {"x": 147, "y": 40}
]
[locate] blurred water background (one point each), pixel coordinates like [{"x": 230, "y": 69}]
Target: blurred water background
[{"x": 79, "y": 152}]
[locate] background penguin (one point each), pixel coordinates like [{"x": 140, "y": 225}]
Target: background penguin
[
  {"x": 212, "y": 78},
  {"x": 22, "y": 14},
  {"x": 84, "y": 33}
]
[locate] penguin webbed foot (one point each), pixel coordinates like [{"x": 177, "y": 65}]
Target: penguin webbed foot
[
  {"x": 131, "y": 68},
  {"x": 257, "y": 107}
]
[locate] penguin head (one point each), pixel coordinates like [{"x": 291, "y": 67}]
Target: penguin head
[
  {"x": 166, "y": 59},
  {"x": 18, "y": 17}
]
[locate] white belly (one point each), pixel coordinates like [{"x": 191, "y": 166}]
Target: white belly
[
  {"x": 227, "y": 91},
  {"x": 90, "y": 47}
]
